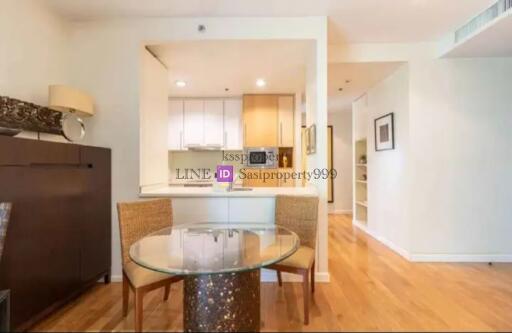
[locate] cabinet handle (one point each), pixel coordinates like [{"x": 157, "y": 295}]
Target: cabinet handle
[
  {"x": 181, "y": 140},
  {"x": 225, "y": 139}
]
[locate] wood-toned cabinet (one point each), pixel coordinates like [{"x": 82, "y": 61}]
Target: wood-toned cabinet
[
  {"x": 285, "y": 178},
  {"x": 260, "y": 121},
  {"x": 281, "y": 177},
  {"x": 59, "y": 237},
  {"x": 260, "y": 177},
  {"x": 269, "y": 120},
  {"x": 285, "y": 107}
]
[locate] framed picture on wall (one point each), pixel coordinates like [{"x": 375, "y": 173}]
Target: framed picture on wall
[
  {"x": 311, "y": 139},
  {"x": 385, "y": 133}
]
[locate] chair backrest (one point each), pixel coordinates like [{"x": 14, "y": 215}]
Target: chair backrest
[
  {"x": 138, "y": 219},
  {"x": 300, "y": 215},
  {"x": 5, "y": 213}
]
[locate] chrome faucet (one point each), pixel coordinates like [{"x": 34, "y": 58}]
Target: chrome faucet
[{"x": 230, "y": 186}]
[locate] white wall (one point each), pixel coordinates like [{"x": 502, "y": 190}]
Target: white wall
[
  {"x": 342, "y": 161},
  {"x": 388, "y": 196},
  {"x": 461, "y": 154},
  {"x": 360, "y": 121},
  {"x": 106, "y": 59},
  {"x": 154, "y": 120},
  {"x": 316, "y": 113},
  {"x": 444, "y": 193},
  {"x": 33, "y": 52}
]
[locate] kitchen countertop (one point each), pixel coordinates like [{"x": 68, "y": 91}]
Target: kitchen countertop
[{"x": 201, "y": 192}]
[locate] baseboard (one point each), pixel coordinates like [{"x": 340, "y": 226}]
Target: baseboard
[
  {"x": 463, "y": 258},
  {"x": 116, "y": 278},
  {"x": 475, "y": 258},
  {"x": 360, "y": 225},
  {"x": 341, "y": 212},
  {"x": 267, "y": 276},
  {"x": 395, "y": 248}
]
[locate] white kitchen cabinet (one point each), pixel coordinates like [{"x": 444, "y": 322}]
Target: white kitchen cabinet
[
  {"x": 193, "y": 123},
  {"x": 223, "y": 210},
  {"x": 214, "y": 123},
  {"x": 233, "y": 124},
  {"x": 286, "y": 123},
  {"x": 175, "y": 134},
  {"x": 252, "y": 210},
  {"x": 200, "y": 210},
  {"x": 205, "y": 123}
]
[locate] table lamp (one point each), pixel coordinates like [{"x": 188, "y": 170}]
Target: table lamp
[{"x": 74, "y": 104}]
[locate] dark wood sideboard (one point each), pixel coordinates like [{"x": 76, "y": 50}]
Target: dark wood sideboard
[{"x": 59, "y": 237}]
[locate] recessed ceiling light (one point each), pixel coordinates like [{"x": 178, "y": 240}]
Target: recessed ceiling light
[
  {"x": 180, "y": 83},
  {"x": 261, "y": 83}
]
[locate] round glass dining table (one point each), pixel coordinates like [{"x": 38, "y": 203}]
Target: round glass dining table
[{"x": 221, "y": 265}]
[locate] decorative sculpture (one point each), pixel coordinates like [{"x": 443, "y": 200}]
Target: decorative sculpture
[{"x": 17, "y": 115}]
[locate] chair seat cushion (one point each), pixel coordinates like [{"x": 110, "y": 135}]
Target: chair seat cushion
[
  {"x": 140, "y": 276},
  {"x": 303, "y": 258}
]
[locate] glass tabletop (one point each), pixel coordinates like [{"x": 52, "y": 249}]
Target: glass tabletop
[{"x": 214, "y": 248}]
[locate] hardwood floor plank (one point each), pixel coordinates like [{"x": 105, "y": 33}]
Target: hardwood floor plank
[{"x": 371, "y": 289}]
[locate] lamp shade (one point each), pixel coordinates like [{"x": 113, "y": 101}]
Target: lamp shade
[{"x": 67, "y": 99}]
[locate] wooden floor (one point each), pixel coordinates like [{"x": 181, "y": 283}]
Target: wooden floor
[{"x": 371, "y": 289}]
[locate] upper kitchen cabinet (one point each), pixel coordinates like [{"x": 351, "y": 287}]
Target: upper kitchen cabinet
[
  {"x": 200, "y": 123},
  {"x": 260, "y": 120},
  {"x": 193, "y": 123},
  {"x": 233, "y": 124},
  {"x": 175, "y": 134},
  {"x": 214, "y": 123},
  {"x": 286, "y": 108}
]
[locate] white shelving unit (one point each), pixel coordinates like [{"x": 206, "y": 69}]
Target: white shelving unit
[{"x": 360, "y": 183}]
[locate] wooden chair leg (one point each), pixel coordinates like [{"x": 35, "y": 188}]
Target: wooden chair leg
[
  {"x": 139, "y": 296},
  {"x": 167, "y": 291},
  {"x": 313, "y": 278},
  {"x": 305, "y": 290},
  {"x": 279, "y": 279},
  {"x": 126, "y": 295}
]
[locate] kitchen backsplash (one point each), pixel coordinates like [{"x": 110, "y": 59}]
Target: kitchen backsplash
[{"x": 182, "y": 161}]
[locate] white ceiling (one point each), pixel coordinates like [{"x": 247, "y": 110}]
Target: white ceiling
[
  {"x": 360, "y": 77},
  {"x": 349, "y": 20},
  {"x": 208, "y": 67}
]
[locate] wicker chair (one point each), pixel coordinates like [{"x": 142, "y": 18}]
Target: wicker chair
[
  {"x": 299, "y": 214},
  {"x": 5, "y": 213},
  {"x": 137, "y": 220}
]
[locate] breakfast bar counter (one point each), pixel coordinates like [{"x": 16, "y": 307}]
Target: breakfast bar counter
[{"x": 237, "y": 192}]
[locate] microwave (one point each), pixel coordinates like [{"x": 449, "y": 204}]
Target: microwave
[{"x": 261, "y": 157}]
